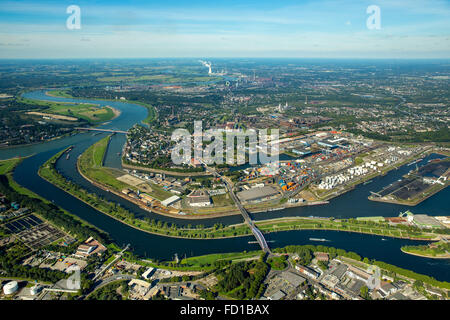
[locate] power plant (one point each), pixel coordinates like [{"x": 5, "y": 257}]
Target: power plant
[{"x": 207, "y": 64}]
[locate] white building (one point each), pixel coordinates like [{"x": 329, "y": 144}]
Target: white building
[
  {"x": 170, "y": 201},
  {"x": 11, "y": 287}
]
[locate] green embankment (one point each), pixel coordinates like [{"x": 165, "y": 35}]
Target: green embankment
[
  {"x": 348, "y": 225},
  {"x": 7, "y": 168},
  {"x": 90, "y": 164},
  {"x": 438, "y": 250}
]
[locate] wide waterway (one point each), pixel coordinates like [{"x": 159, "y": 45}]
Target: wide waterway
[{"x": 351, "y": 204}]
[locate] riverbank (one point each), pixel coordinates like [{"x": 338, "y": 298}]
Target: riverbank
[
  {"x": 447, "y": 256},
  {"x": 438, "y": 250},
  {"x": 346, "y": 225},
  {"x": 10, "y": 147}
]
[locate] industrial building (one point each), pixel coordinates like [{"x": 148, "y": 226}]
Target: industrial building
[
  {"x": 257, "y": 194},
  {"x": 169, "y": 201},
  {"x": 199, "y": 198},
  {"x": 424, "y": 221}
]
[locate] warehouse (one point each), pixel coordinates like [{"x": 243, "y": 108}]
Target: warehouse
[
  {"x": 199, "y": 198},
  {"x": 169, "y": 201},
  {"x": 424, "y": 221},
  {"x": 257, "y": 194}
]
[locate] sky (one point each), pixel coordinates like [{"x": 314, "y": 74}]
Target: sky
[{"x": 215, "y": 28}]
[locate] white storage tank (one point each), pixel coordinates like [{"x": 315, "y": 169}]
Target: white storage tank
[
  {"x": 34, "y": 290},
  {"x": 10, "y": 287}
]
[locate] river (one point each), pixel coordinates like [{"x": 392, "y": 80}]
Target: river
[{"x": 351, "y": 204}]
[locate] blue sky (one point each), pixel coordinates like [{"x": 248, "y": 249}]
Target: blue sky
[{"x": 215, "y": 28}]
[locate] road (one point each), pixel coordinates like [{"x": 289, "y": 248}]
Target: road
[
  {"x": 101, "y": 283},
  {"x": 111, "y": 263},
  {"x": 101, "y": 130}
]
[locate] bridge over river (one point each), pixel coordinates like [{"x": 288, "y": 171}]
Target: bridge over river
[
  {"x": 101, "y": 130},
  {"x": 256, "y": 232}
]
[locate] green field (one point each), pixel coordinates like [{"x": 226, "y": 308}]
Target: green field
[
  {"x": 7, "y": 166},
  {"x": 435, "y": 250},
  {"x": 59, "y": 93},
  {"x": 159, "y": 78},
  {"x": 222, "y": 200},
  {"x": 91, "y": 165},
  {"x": 209, "y": 259},
  {"x": 87, "y": 112}
]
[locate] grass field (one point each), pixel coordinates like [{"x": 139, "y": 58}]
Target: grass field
[
  {"x": 88, "y": 112},
  {"x": 301, "y": 223},
  {"x": 159, "y": 78},
  {"x": 7, "y": 166},
  {"x": 91, "y": 165},
  {"x": 222, "y": 200},
  {"x": 211, "y": 258},
  {"x": 59, "y": 93}
]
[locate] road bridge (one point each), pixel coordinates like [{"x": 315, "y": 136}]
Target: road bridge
[
  {"x": 256, "y": 232},
  {"x": 101, "y": 130}
]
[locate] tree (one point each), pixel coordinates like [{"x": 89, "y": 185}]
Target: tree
[{"x": 364, "y": 292}]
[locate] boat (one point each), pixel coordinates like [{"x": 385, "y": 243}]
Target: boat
[
  {"x": 316, "y": 239},
  {"x": 411, "y": 163},
  {"x": 256, "y": 242},
  {"x": 367, "y": 182}
]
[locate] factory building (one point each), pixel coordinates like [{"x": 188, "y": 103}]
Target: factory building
[{"x": 257, "y": 194}]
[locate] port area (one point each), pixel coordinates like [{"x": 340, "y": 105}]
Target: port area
[
  {"x": 363, "y": 169},
  {"x": 306, "y": 181},
  {"x": 417, "y": 185}
]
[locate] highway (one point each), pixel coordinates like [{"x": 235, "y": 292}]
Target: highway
[{"x": 229, "y": 185}]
